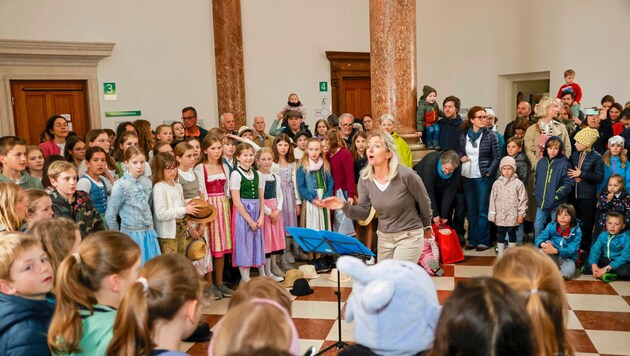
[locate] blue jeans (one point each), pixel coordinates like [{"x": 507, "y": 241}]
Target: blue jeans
[
  {"x": 433, "y": 134},
  {"x": 477, "y": 194},
  {"x": 541, "y": 220}
]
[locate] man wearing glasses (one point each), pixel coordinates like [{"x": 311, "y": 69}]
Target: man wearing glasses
[
  {"x": 346, "y": 122},
  {"x": 189, "y": 117}
]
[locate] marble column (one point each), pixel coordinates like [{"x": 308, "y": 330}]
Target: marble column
[
  {"x": 228, "y": 50},
  {"x": 393, "y": 62}
]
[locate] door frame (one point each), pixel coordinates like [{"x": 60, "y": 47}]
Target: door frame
[
  {"x": 50, "y": 60},
  {"x": 345, "y": 65}
]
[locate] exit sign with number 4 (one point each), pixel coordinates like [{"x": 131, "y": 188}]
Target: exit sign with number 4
[
  {"x": 323, "y": 86},
  {"x": 109, "y": 90}
]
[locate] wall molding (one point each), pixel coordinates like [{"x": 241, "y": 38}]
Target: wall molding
[{"x": 50, "y": 60}]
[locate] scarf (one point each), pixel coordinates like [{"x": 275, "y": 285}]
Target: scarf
[
  {"x": 441, "y": 173},
  {"x": 474, "y": 136},
  {"x": 295, "y": 105},
  {"x": 315, "y": 166},
  {"x": 614, "y": 161}
]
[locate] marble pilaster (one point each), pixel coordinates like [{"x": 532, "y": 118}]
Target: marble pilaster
[
  {"x": 228, "y": 50},
  {"x": 393, "y": 61}
]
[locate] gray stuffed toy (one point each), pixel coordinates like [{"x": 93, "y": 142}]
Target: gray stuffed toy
[{"x": 394, "y": 304}]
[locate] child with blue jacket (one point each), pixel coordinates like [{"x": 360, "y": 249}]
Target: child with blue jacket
[
  {"x": 26, "y": 279},
  {"x": 553, "y": 185},
  {"x": 609, "y": 258},
  {"x": 561, "y": 240}
]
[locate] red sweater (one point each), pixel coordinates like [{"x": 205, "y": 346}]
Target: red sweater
[
  {"x": 342, "y": 169},
  {"x": 576, "y": 89},
  {"x": 50, "y": 148}
]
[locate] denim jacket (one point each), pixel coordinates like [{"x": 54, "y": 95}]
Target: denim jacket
[
  {"x": 131, "y": 199},
  {"x": 306, "y": 184}
]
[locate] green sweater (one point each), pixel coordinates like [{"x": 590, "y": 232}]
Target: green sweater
[
  {"x": 97, "y": 330},
  {"x": 26, "y": 181}
]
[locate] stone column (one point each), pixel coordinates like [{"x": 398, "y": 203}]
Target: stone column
[
  {"x": 393, "y": 62},
  {"x": 228, "y": 50}
]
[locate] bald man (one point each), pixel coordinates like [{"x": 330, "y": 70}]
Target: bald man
[{"x": 523, "y": 110}]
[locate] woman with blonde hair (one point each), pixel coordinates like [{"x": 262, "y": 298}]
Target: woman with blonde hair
[
  {"x": 537, "y": 278},
  {"x": 537, "y": 134},
  {"x": 393, "y": 190}
]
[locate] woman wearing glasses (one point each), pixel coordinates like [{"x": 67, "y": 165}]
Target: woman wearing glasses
[{"x": 480, "y": 159}]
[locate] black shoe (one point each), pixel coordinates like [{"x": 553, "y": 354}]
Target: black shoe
[
  {"x": 321, "y": 266},
  {"x": 480, "y": 248},
  {"x": 201, "y": 334},
  {"x": 469, "y": 247},
  {"x": 330, "y": 261}
]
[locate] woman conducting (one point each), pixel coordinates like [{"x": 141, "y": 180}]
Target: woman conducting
[{"x": 397, "y": 194}]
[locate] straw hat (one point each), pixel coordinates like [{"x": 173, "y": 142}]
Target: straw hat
[
  {"x": 291, "y": 276},
  {"x": 369, "y": 218},
  {"x": 309, "y": 271},
  {"x": 207, "y": 213},
  {"x": 196, "y": 249},
  {"x": 333, "y": 276}
]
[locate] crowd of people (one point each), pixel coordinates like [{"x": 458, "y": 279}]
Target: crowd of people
[{"x": 105, "y": 239}]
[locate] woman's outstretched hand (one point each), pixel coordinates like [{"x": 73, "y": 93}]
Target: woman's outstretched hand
[{"x": 333, "y": 203}]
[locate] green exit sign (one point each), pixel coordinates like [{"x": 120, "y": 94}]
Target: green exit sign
[{"x": 323, "y": 86}]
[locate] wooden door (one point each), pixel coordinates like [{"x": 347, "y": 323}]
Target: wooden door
[
  {"x": 34, "y": 101},
  {"x": 357, "y": 96}
]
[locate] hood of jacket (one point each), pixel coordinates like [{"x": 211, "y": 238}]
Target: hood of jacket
[{"x": 549, "y": 140}]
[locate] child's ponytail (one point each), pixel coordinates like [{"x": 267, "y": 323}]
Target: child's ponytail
[
  {"x": 79, "y": 277},
  {"x": 542, "y": 325},
  {"x": 166, "y": 282}
]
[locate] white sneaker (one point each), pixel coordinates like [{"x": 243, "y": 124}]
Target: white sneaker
[
  {"x": 371, "y": 261},
  {"x": 277, "y": 271},
  {"x": 276, "y": 278},
  {"x": 288, "y": 255}
]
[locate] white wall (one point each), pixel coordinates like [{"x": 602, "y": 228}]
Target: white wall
[
  {"x": 164, "y": 54},
  {"x": 164, "y": 57},
  {"x": 285, "y": 44}
]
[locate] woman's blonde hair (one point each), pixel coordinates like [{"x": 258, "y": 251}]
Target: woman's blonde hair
[
  {"x": 390, "y": 145},
  {"x": 79, "y": 277},
  {"x": 9, "y": 196},
  {"x": 171, "y": 281},
  {"x": 57, "y": 237},
  {"x": 253, "y": 325},
  {"x": 537, "y": 278},
  {"x": 543, "y": 104},
  {"x": 58, "y": 167},
  {"x": 304, "y": 161}
]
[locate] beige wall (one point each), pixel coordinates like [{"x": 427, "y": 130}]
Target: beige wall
[{"x": 163, "y": 59}]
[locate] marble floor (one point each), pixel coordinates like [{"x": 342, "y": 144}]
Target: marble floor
[{"x": 599, "y": 315}]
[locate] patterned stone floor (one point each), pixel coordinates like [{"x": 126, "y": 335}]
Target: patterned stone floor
[{"x": 599, "y": 315}]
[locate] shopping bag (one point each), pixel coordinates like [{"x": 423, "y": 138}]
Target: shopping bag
[
  {"x": 448, "y": 243},
  {"x": 343, "y": 224}
]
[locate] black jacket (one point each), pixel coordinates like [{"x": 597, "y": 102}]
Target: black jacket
[
  {"x": 450, "y": 130},
  {"x": 441, "y": 191},
  {"x": 592, "y": 173},
  {"x": 488, "y": 151}
]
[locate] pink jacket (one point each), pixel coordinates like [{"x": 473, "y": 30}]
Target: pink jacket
[
  {"x": 50, "y": 148},
  {"x": 508, "y": 199}
]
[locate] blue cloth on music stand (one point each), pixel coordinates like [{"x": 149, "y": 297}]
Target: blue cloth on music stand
[{"x": 328, "y": 242}]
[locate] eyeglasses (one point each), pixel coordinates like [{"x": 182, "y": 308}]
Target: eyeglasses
[
  {"x": 186, "y": 118},
  {"x": 79, "y": 149},
  {"x": 170, "y": 169},
  {"x": 481, "y": 117}
]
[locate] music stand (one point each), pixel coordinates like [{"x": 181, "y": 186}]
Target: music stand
[{"x": 330, "y": 243}]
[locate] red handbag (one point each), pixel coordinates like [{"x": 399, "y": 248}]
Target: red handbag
[{"x": 448, "y": 243}]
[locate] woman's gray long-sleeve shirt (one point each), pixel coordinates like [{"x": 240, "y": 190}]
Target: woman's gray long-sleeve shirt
[{"x": 396, "y": 206}]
